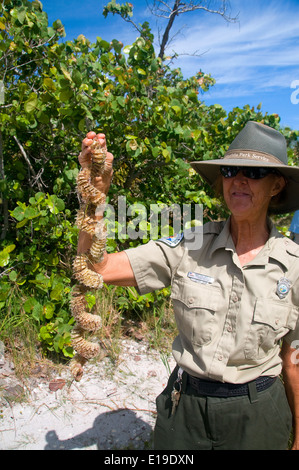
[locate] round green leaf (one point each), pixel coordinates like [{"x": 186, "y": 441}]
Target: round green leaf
[
  {"x": 31, "y": 103},
  {"x": 48, "y": 310},
  {"x": 13, "y": 276}
]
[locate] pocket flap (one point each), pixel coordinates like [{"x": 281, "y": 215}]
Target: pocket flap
[
  {"x": 275, "y": 314},
  {"x": 196, "y": 295}
]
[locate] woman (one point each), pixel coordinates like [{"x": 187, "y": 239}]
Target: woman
[{"x": 235, "y": 299}]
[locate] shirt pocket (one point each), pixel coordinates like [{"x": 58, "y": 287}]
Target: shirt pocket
[
  {"x": 195, "y": 305},
  {"x": 271, "y": 320}
]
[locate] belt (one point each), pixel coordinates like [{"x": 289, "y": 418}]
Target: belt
[{"x": 219, "y": 389}]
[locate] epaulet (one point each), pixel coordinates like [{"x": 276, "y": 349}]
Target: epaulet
[
  {"x": 172, "y": 241},
  {"x": 213, "y": 227},
  {"x": 291, "y": 247}
]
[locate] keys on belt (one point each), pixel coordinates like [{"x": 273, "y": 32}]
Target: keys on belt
[{"x": 176, "y": 391}]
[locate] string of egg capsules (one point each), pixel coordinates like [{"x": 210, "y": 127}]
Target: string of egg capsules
[{"x": 90, "y": 200}]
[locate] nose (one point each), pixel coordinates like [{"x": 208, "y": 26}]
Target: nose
[{"x": 240, "y": 177}]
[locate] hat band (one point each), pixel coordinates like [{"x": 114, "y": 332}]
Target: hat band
[{"x": 251, "y": 155}]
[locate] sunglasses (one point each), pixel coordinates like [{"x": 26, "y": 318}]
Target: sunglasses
[{"x": 254, "y": 173}]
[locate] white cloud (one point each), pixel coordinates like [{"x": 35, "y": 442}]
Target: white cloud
[{"x": 256, "y": 52}]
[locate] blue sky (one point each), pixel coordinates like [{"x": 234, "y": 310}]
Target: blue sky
[{"x": 255, "y": 60}]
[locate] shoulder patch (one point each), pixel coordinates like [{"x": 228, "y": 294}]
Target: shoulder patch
[{"x": 172, "y": 241}]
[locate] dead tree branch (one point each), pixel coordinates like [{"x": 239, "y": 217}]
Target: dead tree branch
[
  {"x": 4, "y": 201},
  {"x": 170, "y": 10},
  {"x": 36, "y": 177}
]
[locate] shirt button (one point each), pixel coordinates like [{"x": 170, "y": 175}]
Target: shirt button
[
  {"x": 191, "y": 300},
  {"x": 229, "y": 329},
  {"x": 220, "y": 358},
  {"x": 235, "y": 298}
]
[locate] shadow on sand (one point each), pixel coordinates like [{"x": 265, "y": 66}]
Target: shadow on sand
[{"x": 118, "y": 430}]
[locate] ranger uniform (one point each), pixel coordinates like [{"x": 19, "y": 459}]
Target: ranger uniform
[
  {"x": 230, "y": 318},
  {"x": 230, "y": 321}
]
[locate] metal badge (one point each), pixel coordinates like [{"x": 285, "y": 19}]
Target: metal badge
[
  {"x": 283, "y": 287},
  {"x": 201, "y": 278}
]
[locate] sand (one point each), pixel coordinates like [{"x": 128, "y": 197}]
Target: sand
[{"x": 112, "y": 407}]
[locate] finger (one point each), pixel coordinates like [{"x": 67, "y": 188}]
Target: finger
[
  {"x": 85, "y": 152},
  {"x": 108, "y": 171},
  {"x": 88, "y": 139},
  {"x": 85, "y": 156},
  {"x": 86, "y": 143},
  {"x": 101, "y": 136},
  {"x": 91, "y": 135},
  {"x": 109, "y": 157}
]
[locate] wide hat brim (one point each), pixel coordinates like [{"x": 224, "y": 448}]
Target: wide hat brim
[{"x": 242, "y": 154}]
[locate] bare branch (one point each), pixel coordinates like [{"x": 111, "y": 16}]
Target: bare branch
[
  {"x": 193, "y": 54},
  {"x": 4, "y": 201},
  {"x": 163, "y": 9},
  {"x": 156, "y": 9},
  {"x": 128, "y": 20},
  {"x": 165, "y": 37},
  {"x": 185, "y": 7},
  {"x": 28, "y": 162}
]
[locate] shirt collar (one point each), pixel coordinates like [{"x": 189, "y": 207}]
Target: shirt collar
[
  {"x": 224, "y": 239},
  {"x": 277, "y": 251}
]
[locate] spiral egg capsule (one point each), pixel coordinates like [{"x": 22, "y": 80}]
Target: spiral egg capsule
[{"x": 91, "y": 200}]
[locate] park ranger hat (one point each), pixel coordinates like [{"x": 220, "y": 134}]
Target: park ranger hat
[{"x": 257, "y": 145}]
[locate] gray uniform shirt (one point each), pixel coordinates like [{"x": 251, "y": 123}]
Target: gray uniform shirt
[{"x": 230, "y": 318}]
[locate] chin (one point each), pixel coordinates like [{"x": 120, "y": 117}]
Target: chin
[{"x": 241, "y": 209}]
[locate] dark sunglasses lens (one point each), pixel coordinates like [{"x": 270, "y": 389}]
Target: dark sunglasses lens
[
  {"x": 256, "y": 173},
  {"x": 229, "y": 171},
  {"x": 248, "y": 172}
]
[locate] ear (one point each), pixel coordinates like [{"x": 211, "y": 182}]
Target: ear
[{"x": 279, "y": 184}]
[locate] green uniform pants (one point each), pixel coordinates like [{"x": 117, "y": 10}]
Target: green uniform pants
[{"x": 237, "y": 423}]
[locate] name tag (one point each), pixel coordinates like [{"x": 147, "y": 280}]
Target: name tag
[{"x": 201, "y": 278}]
